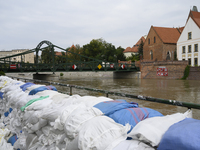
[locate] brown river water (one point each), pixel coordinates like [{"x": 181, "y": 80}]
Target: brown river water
[{"x": 179, "y": 90}]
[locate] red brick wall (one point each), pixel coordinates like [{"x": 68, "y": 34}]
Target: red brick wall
[
  {"x": 175, "y": 69},
  {"x": 158, "y": 48},
  {"x": 194, "y": 73}
]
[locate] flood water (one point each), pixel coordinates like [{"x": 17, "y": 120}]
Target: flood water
[{"x": 180, "y": 90}]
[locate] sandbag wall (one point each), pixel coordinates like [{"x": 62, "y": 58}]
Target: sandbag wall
[{"x": 37, "y": 117}]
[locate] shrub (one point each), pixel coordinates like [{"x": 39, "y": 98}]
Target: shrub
[
  {"x": 186, "y": 72},
  {"x": 61, "y": 74},
  {"x": 2, "y": 73}
]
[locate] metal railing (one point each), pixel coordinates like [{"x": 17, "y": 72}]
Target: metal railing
[{"x": 140, "y": 97}]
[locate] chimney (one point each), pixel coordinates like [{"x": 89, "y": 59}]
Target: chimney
[{"x": 195, "y": 8}]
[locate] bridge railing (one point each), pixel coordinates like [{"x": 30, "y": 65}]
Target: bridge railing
[{"x": 139, "y": 97}]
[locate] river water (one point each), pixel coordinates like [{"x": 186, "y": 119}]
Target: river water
[{"x": 180, "y": 90}]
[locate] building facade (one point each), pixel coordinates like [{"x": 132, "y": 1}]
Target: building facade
[
  {"x": 188, "y": 45},
  {"x": 134, "y": 50},
  {"x": 25, "y": 58},
  {"x": 160, "y": 44}
]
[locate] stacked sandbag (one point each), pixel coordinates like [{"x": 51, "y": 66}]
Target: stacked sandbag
[
  {"x": 42, "y": 118},
  {"x": 182, "y": 135},
  {"x": 39, "y": 117},
  {"x": 151, "y": 130}
]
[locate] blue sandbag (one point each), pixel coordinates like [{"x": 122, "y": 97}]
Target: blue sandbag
[
  {"x": 42, "y": 88},
  {"x": 1, "y": 95},
  {"x": 10, "y": 110},
  {"x": 26, "y": 85},
  {"x": 109, "y": 107},
  {"x": 12, "y": 139},
  {"x": 7, "y": 113},
  {"x": 133, "y": 115},
  {"x": 183, "y": 135}
]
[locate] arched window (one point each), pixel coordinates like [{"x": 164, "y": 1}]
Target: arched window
[
  {"x": 151, "y": 53},
  {"x": 168, "y": 56}
]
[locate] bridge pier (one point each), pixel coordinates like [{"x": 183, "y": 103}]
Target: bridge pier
[
  {"x": 126, "y": 75},
  {"x": 52, "y": 77}
]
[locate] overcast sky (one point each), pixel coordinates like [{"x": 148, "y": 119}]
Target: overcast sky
[{"x": 25, "y": 23}]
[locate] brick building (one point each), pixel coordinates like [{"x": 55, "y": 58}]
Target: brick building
[
  {"x": 134, "y": 50},
  {"x": 160, "y": 44}
]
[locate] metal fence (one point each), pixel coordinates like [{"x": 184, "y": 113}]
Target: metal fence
[{"x": 107, "y": 93}]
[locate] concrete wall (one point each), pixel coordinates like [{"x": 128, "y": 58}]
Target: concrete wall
[
  {"x": 175, "y": 69},
  {"x": 75, "y": 75}
]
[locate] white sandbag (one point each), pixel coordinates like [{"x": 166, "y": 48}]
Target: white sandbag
[
  {"x": 58, "y": 98},
  {"x": 101, "y": 133},
  {"x": 39, "y": 125},
  {"x": 60, "y": 121},
  {"x": 24, "y": 99},
  {"x": 72, "y": 145},
  {"x": 151, "y": 130},
  {"x": 50, "y": 93},
  {"x": 132, "y": 145},
  {"x": 51, "y": 114},
  {"x": 77, "y": 118},
  {"x": 4, "y": 133},
  {"x": 30, "y": 140},
  {"x": 38, "y": 105},
  {"x": 90, "y": 101}
]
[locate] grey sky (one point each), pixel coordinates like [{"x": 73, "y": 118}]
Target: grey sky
[{"x": 25, "y": 23}]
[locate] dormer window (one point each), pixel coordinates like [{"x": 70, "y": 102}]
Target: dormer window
[{"x": 189, "y": 35}]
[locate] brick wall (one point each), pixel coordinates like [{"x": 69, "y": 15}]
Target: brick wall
[
  {"x": 194, "y": 73},
  {"x": 175, "y": 69},
  {"x": 158, "y": 48}
]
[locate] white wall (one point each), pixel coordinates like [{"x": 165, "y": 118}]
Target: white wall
[{"x": 190, "y": 26}]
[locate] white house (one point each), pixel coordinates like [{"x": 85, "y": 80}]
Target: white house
[{"x": 188, "y": 44}]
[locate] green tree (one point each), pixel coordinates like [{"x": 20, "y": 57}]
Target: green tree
[
  {"x": 94, "y": 49},
  {"x": 74, "y": 53},
  {"x": 103, "y": 50},
  {"x": 175, "y": 55},
  {"x": 46, "y": 56},
  {"x": 140, "y": 49},
  {"x": 119, "y": 54},
  {"x": 133, "y": 57}
]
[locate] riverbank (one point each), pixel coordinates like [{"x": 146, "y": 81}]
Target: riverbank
[{"x": 82, "y": 75}]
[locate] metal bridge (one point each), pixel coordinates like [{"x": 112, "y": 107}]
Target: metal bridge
[{"x": 59, "y": 63}]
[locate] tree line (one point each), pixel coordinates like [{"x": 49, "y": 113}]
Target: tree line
[{"x": 97, "y": 49}]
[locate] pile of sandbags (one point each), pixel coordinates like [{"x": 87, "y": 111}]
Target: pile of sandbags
[{"x": 39, "y": 117}]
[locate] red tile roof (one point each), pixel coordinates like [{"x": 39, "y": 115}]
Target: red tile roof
[
  {"x": 134, "y": 49},
  {"x": 168, "y": 35},
  {"x": 180, "y": 29},
  {"x": 58, "y": 53},
  {"x": 195, "y": 16}
]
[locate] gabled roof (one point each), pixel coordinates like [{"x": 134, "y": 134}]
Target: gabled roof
[
  {"x": 167, "y": 35},
  {"x": 195, "y": 16},
  {"x": 180, "y": 29},
  {"x": 134, "y": 49}
]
